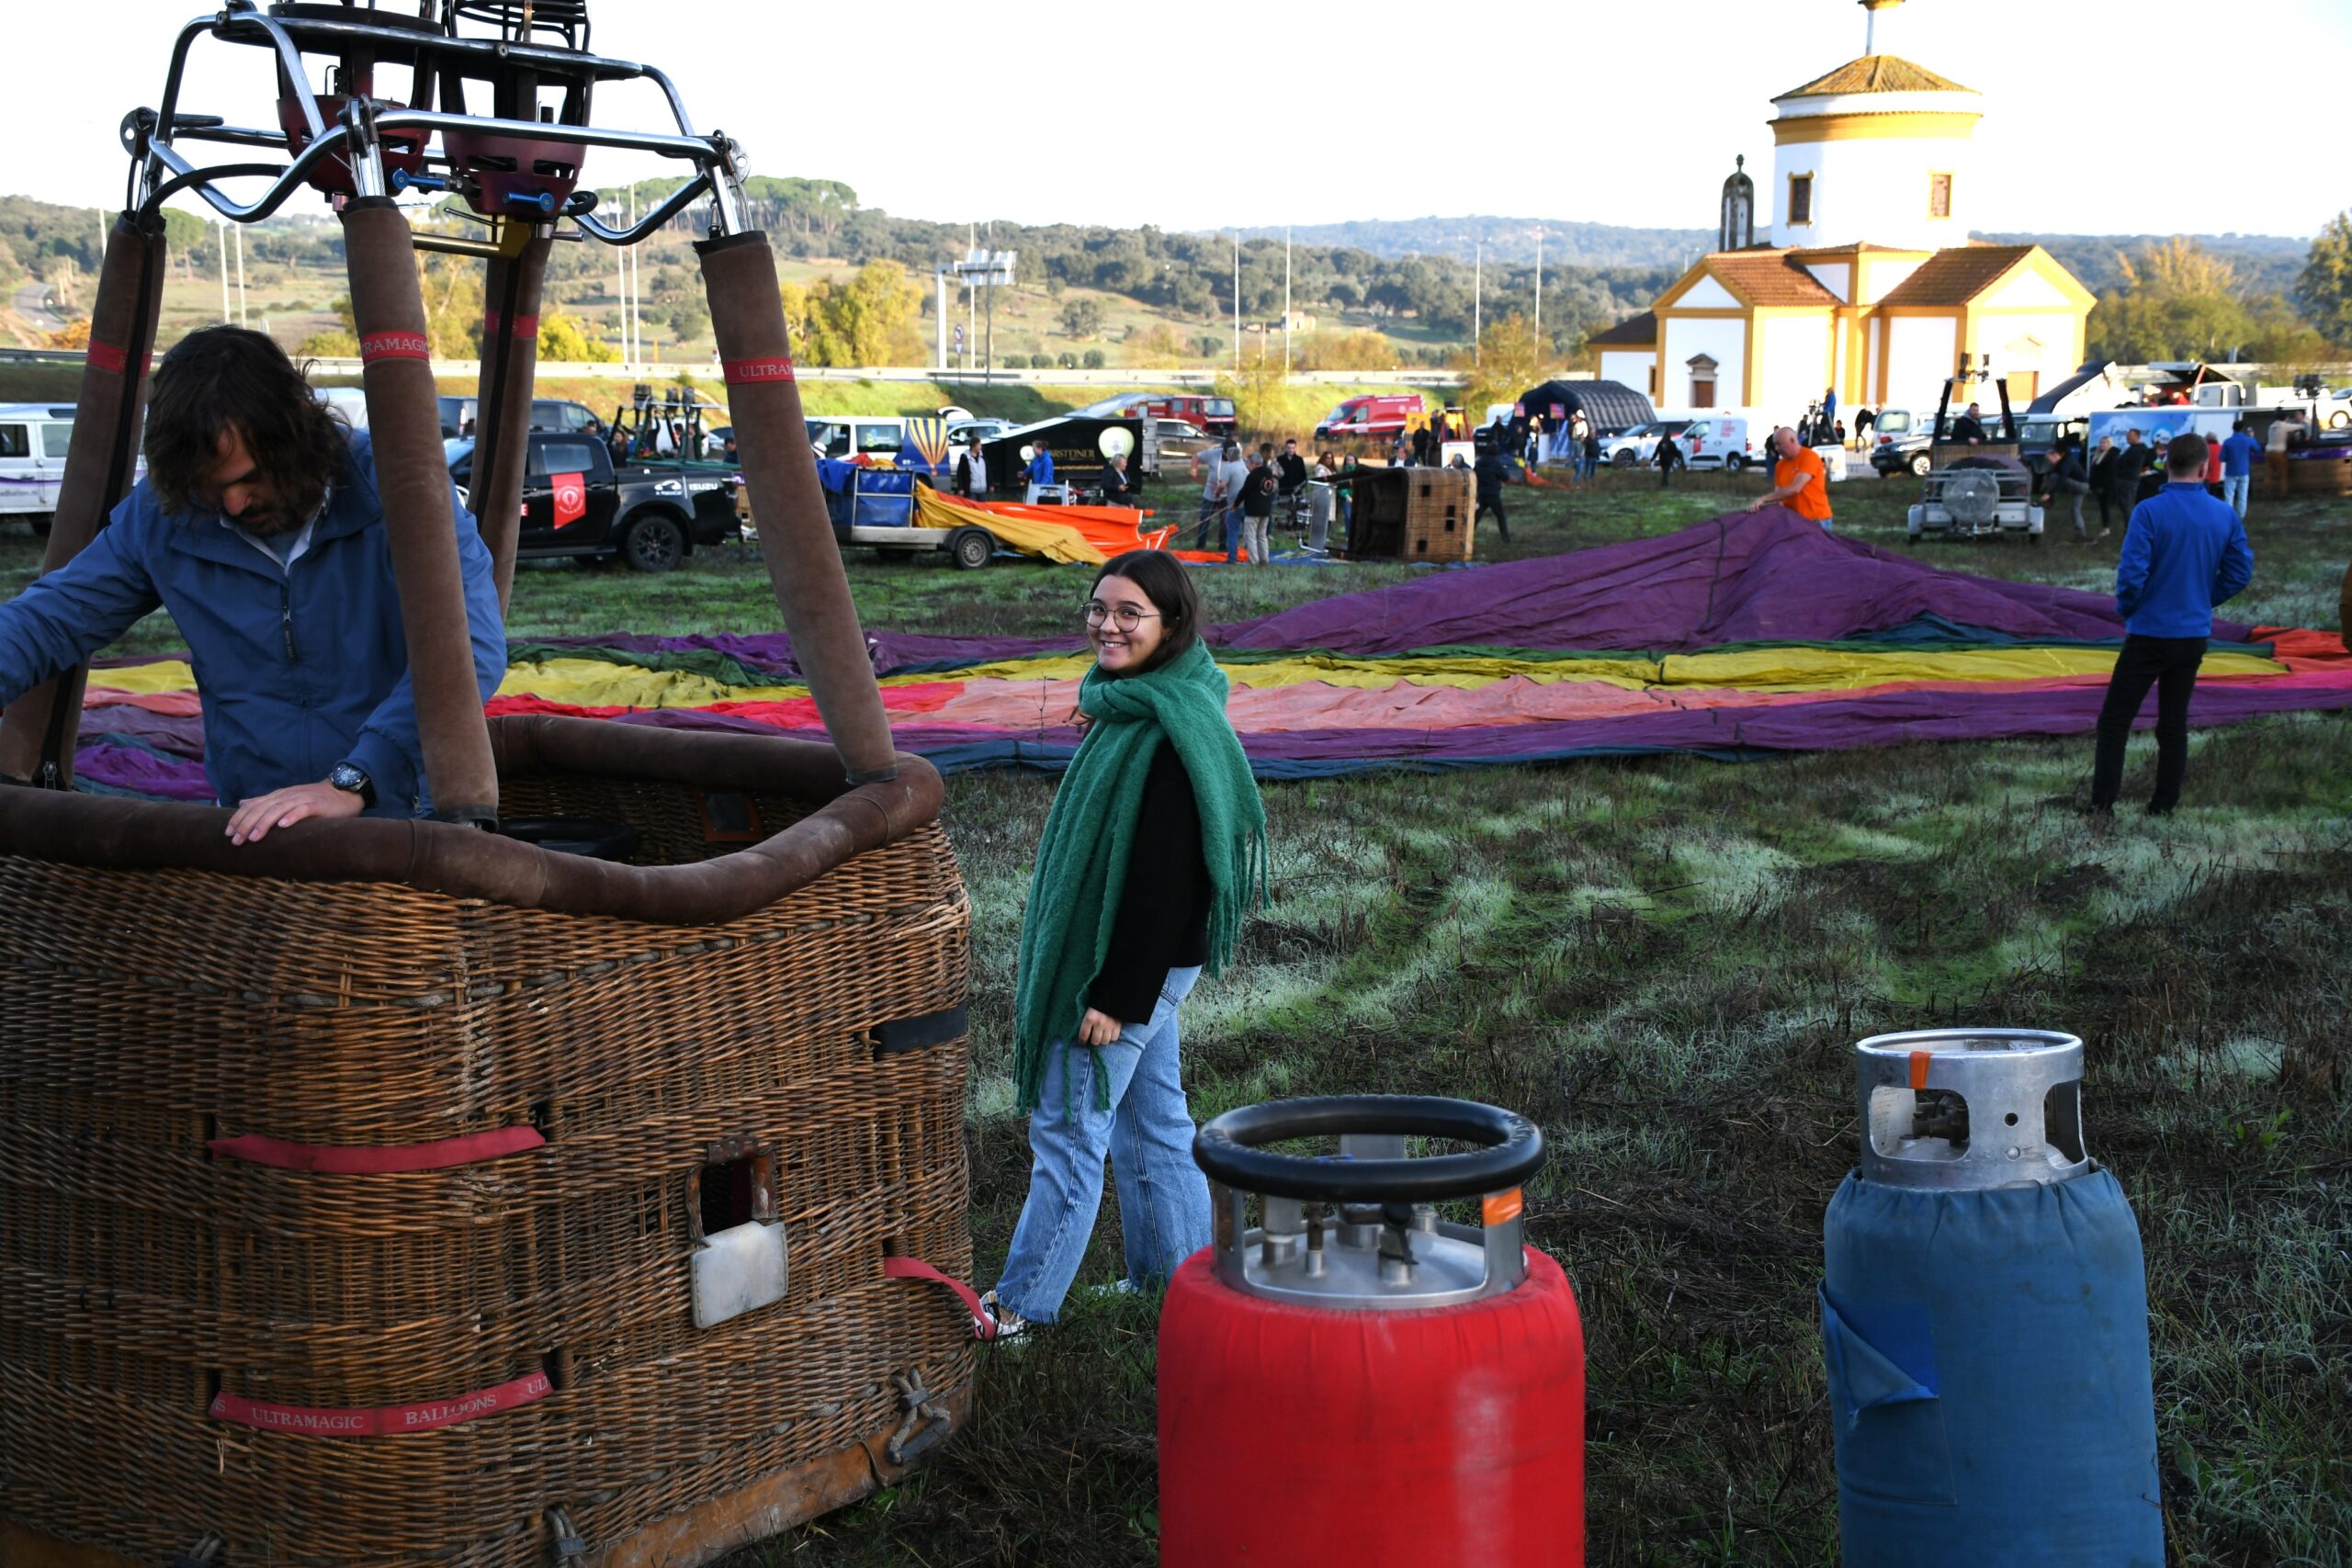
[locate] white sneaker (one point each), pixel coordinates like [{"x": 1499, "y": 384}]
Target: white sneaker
[{"x": 1007, "y": 1323}]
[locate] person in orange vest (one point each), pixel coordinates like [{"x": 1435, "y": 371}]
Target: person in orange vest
[{"x": 1799, "y": 481}]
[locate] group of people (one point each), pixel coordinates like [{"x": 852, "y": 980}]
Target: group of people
[
  {"x": 2121, "y": 478},
  {"x": 1241, "y": 492}
]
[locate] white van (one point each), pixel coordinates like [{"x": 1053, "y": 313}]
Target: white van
[
  {"x": 1719, "y": 441},
  {"x": 33, "y": 438}
]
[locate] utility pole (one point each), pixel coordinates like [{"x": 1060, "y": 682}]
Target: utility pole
[
  {"x": 1539, "y": 295},
  {"x": 241, "y": 274},
  {"x": 222, "y": 224},
  {"x": 1285, "y": 302},
  {"x": 1237, "y": 301},
  {"x": 939, "y": 312},
  {"x": 1477, "y": 276},
  {"x": 620, "y": 297}
]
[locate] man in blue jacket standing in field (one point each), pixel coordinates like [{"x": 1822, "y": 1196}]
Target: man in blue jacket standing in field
[
  {"x": 2185, "y": 552},
  {"x": 259, "y": 528}
]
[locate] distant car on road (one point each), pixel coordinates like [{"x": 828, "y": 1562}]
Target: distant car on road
[{"x": 960, "y": 431}]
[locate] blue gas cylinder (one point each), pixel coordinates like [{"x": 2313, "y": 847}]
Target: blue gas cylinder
[{"x": 1984, "y": 1318}]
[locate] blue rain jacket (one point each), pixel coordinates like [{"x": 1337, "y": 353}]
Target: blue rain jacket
[{"x": 299, "y": 667}]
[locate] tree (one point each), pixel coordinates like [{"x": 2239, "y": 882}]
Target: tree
[
  {"x": 1082, "y": 319},
  {"x": 2177, "y": 302},
  {"x": 868, "y": 321},
  {"x": 73, "y": 335},
  {"x": 341, "y": 344},
  {"x": 2325, "y": 288},
  {"x": 566, "y": 338},
  {"x": 1509, "y": 361}
]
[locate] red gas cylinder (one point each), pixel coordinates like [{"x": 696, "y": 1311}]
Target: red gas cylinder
[{"x": 1355, "y": 1381}]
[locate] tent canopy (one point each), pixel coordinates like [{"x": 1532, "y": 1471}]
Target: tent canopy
[{"x": 1610, "y": 407}]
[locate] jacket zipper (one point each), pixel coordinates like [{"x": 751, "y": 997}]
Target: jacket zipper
[{"x": 286, "y": 613}]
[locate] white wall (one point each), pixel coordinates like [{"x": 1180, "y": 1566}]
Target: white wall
[
  {"x": 1881, "y": 277},
  {"x": 1724, "y": 338},
  {"x": 1629, "y": 366},
  {"x": 1792, "y": 353},
  {"x": 1835, "y": 277},
  {"x": 2011, "y": 340},
  {"x": 1708, "y": 295},
  {"x": 1872, "y": 189},
  {"x": 1921, "y": 350}
]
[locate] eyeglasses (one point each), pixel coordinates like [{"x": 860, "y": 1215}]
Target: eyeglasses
[{"x": 1127, "y": 616}]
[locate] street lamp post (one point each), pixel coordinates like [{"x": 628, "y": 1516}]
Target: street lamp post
[
  {"x": 1237, "y": 301},
  {"x": 1285, "y": 302},
  {"x": 1539, "y": 294}
]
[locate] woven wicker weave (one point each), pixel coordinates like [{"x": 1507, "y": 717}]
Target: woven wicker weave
[{"x": 149, "y": 1012}]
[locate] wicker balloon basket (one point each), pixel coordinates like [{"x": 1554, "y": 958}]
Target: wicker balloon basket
[{"x": 425, "y": 1195}]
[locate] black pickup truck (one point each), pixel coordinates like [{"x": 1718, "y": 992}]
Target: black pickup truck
[{"x": 576, "y": 503}]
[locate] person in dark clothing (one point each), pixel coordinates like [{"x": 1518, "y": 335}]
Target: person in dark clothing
[
  {"x": 1668, "y": 459},
  {"x": 1589, "y": 458},
  {"x": 1152, "y": 854},
  {"x": 972, "y": 472},
  {"x": 1421, "y": 447},
  {"x": 2124, "y": 473},
  {"x": 2102, "y": 477},
  {"x": 1290, "y": 470},
  {"x": 1489, "y": 476},
  {"x": 1116, "y": 490},
  {"x": 2184, "y": 553},
  {"x": 1257, "y": 513},
  {"x": 2064, "y": 473},
  {"x": 1968, "y": 430},
  {"x": 1863, "y": 419}
]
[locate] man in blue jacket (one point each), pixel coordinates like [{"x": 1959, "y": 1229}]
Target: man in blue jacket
[
  {"x": 1040, "y": 471},
  {"x": 2185, "y": 552},
  {"x": 259, "y": 528},
  {"x": 2238, "y": 454}
]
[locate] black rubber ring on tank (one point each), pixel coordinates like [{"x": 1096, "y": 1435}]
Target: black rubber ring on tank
[{"x": 1226, "y": 1149}]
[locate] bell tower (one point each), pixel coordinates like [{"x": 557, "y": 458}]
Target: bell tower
[{"x": 1735, "y": 229}]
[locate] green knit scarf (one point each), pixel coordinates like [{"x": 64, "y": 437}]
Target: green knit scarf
[{"x": 1082, "y": 861}]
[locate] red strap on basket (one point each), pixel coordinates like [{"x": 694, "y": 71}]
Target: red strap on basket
[
  {"x": 328, "y": 1160},
  {"x": 983, "y": 1325},
  {"x": 385, "y": 1421}
]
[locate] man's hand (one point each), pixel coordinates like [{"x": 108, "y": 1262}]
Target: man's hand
[
  {"x": 252, "y": 820},
  {"x": 1098, "y": 1029},
  {"x": 1761, "y": 502}
]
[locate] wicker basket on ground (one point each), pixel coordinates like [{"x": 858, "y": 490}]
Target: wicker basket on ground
[{"x": 542, "y": 1182}]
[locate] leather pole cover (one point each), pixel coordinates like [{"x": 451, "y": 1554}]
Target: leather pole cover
[
  {"x": 510, "y": 359},
  {"x": 396, "y": 356},
  {"x": 796, "y": 539},
  {"x": 98, "y": 466},
  {"x": 114, "y": 834}
]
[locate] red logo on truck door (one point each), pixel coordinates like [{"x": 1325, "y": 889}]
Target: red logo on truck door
[{"x": 570, "y": 498}]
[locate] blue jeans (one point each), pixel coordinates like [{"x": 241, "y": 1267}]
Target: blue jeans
[
  {"x": 2234, "y": 491},
  {"x": 1232, "y": 537},
  {"x": 1147, "y": 1136}
]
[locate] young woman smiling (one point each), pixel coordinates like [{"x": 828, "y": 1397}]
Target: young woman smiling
[{"x": 1154, "y": 847}]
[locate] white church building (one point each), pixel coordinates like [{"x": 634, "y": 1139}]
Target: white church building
[{"x": 1866, "y": 282}]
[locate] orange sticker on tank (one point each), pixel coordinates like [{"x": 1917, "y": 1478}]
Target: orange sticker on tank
[
  {"x": 1919, "y": 1060},
  {"x": 1500, "y": 1208}
]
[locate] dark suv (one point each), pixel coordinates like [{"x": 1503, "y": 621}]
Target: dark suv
[{"x": 576, "y": 503}]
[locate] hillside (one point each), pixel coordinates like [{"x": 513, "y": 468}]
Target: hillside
[{"x": 1567, "y": 242}]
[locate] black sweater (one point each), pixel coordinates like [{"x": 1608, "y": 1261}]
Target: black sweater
[{"x": 1164, "y": 920}]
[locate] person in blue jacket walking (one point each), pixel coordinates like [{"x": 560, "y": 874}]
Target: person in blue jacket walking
[
  {"x": 2185, "y": 552},
  {"x": 259, "y": 528},
  {"x": 1041, "y": 470}
]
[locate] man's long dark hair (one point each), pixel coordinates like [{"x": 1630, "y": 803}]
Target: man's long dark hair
[
  {"x": 226, "y": 378},
  {"x": 1169, "y": 588}
]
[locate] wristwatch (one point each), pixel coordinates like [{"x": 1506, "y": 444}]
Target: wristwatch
[{"x": 348, "y": 778}]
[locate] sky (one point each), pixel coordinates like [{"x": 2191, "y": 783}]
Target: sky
[{"x": 1075, "y": 111}]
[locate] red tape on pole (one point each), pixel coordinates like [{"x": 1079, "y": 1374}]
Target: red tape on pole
[
  {"x": 112, "y": 358},
  {"x": 523, "y": 328},
  {"x": 983, "y": 1327},
  {"x": 395, "y": 345},
  {"x": 384, "y": 1421},
  {"x": 328, "y": 1160},
  {"x": 739, "y": 371}
]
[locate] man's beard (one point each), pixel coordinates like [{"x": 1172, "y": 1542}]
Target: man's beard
[{"x": 266, "y": 522}]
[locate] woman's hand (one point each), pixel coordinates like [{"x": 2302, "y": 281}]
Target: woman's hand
[{"x": 1098, "y": 1029}]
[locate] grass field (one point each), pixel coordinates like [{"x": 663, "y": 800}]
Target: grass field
[{"x": 1664, "y": 961}]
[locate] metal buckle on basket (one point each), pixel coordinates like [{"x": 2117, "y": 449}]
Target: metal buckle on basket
[
  {"x": 564, "y": 1539},
  {"x": 906, "y": 1444},
  {"x": 205, "y": 1553}
]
